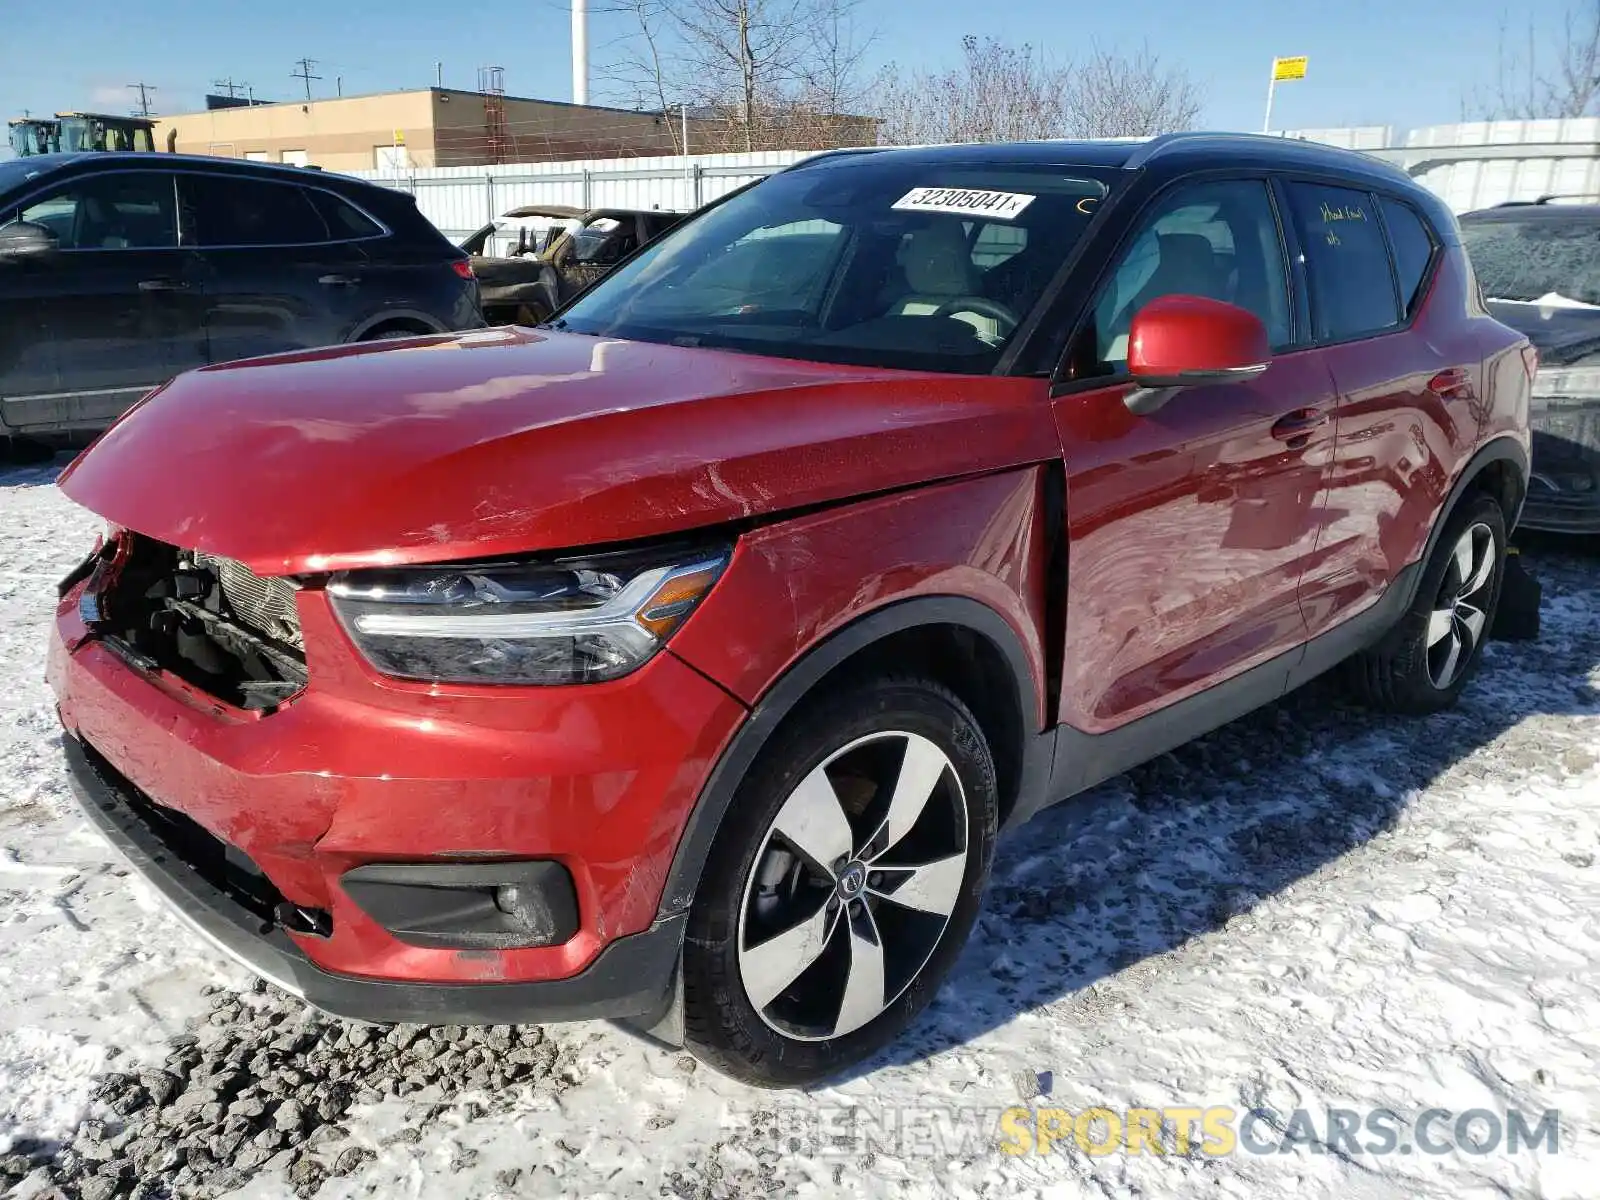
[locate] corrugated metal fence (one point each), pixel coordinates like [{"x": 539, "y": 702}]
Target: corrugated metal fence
[
  {"x": 1473, "y": 165},
  {"x": 460, "y": 200}
]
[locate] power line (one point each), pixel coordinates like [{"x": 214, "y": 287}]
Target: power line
[
  {"x": 305, "y": 65},
  {"x": 144, "y": 90},
  {"x": 230, "y": 87}
]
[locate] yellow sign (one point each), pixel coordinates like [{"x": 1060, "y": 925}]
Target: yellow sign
[
  {"x": 400, "y": 134},
  {"x": 1289, "y": 68}
]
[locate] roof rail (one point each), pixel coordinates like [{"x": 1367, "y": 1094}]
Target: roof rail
[
  {"x": 848, "y": 152},
  {"x": 1166, "y": 142}
]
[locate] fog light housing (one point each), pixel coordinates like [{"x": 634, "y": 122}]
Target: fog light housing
[{"x": 468, "y": 906}]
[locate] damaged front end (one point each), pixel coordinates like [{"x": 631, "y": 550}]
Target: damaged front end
[
  {"x": 209, "y": 621},
  {"x": 1564, "y": 416}
]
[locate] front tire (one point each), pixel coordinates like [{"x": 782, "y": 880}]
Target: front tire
[
  {"x": 842, "y": 885},
  {"x": 1424, "y": 662}
]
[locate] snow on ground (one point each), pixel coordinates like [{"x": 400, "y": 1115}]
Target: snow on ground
[{"x": 1313, "y": 908}]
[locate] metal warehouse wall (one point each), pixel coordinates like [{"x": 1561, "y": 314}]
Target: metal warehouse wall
[
  {"x": 460, "y": 200},
  {"x": 1472, "y": 165}
]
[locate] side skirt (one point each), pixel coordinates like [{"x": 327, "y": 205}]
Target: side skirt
[{"x": 1085, "y": 759}]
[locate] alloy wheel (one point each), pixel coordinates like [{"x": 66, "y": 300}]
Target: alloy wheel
[
  {"x": 1455, "y": 626},
  {"x": 853, "y": 886}
]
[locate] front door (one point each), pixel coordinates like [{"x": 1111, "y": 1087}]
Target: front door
[
  {"x": 116, "y": 308},
  {"x": 1189, "y": 528}
]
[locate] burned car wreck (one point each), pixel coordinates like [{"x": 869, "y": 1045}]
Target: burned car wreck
[
  {"x": 558, "y": 252},
  {"x": 1538, "y": 265}
]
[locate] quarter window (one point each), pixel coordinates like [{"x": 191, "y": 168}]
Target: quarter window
[
  {"x": 345, "y": 221},
  {"x": 1413, "y": 249},
  {"x": 1347, "y": 263},
  {"x": 223, "y": 211},
  {"x": 120, "y": 210},
  {"x": 1218, "y": 240}
]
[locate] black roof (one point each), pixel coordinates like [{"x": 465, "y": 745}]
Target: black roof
[
  {"x": 49, "y": 164},
  {"x": 1173, "y": 149}
]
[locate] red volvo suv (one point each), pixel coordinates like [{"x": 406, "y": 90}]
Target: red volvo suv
[{"x": 679, "y": 661}]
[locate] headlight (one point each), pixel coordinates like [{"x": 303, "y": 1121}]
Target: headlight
[{"x": 560, "y": 621}]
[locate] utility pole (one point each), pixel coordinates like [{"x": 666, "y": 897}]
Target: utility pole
[
  {"x": 230, "y": 87},
  {"x": 305, "y": 65},
  {"x": 144, "y": 90}
]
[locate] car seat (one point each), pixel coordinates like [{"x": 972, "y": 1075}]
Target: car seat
[{"x": 939, "y": 274}]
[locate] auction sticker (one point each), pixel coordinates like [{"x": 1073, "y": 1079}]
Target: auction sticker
[{"x": 967, "y": 201}]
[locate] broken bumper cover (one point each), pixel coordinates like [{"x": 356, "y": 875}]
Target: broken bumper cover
[
  {"x": 1564, "y": 492},
  {"x": 631, "y": 978}
]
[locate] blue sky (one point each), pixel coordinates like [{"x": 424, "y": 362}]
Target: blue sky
[{"x": 1398, "y": 62}]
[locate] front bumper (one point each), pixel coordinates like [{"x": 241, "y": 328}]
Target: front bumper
[
  {"x": 631, "y": 978},
  {"x": 360, "y": 770}
]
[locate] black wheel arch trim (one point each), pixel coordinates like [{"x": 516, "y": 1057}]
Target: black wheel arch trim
[
  {"x": 796, "y": 684},
  {"x": 1503, "y": 448},
  {"x": 393, "y": 316}
]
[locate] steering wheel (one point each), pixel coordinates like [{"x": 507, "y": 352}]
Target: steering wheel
[{"x": 980, "y": 306}]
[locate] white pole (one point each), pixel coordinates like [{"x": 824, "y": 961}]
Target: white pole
[
  {"x": 688, "y": 166},
  {"x": 1272, "y": 83},
  {"x": 580, "y": 51}
]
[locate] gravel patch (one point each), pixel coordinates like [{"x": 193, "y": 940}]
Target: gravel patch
[{"x": 263, "y": 1083}]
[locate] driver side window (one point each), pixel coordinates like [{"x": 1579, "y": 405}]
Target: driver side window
[
  {"x": 1217, "y": 240},
  {"x": 117, "y": 210}
]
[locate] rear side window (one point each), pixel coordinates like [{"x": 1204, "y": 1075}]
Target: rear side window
[
  {"x": 1413, "y": 249},
  {"x": 345, "y": 221},
  {"x": 1347, "y": 262},
  {"x": 222, "y": 211}
]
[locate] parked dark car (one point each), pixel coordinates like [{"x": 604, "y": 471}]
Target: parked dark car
[
  {"x": 118, "y": 271},
  {"x": 680, "y": 660},
  {"x": 526, "y": 287},
  {"x": 1539, "y": 266}
]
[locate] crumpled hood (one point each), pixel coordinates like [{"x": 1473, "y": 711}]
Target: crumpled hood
[{"x": 505, "y": 441}]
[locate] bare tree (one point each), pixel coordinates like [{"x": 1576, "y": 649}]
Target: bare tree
[
  {"x": 1545, "y": 76},
  {"x": 761, "y": 74},
  {"x": 1138, "y": 96},
  {"x": 1001, "y": 93}
]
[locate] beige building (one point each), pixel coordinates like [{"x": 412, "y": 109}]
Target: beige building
[{"x": 432, "y": 127}]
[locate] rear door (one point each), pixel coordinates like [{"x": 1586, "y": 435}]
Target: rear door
[
  {"x": 1406, "y": 392},
  {"x": 274, "y": 277},
  {"x": 114, "y": 312}
]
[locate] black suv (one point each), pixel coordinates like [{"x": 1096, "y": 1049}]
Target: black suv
[
  {"x": 118, "y": 271},
  {"x": 1538, "y": 264}
]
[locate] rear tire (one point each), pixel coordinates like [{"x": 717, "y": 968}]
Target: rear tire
[
  {"x": 842, "y": 885},
  {"x": 1424, "y": 662}
]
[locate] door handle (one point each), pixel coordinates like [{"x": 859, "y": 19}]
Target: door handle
[
  {"x": 1453, "y": 383},
  {"x": 338, "y": 280},
  {"x": 163, "y": 285},
  {"x": 1298, "y": 424}
]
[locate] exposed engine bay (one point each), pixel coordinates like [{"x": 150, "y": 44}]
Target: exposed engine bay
[{"x": 208, "y": 620}]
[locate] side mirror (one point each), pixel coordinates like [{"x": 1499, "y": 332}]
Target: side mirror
[
  {"x": 24, "y": 239},
  {"x": 1187, "y": 341}
]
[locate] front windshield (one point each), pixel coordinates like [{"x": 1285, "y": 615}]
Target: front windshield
[
  {"x": 868, "y": 260},
  {"x": 1535, "y": 258}
]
